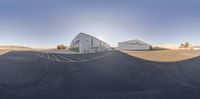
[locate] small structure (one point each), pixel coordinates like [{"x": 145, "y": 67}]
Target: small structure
[
  {"x": 84, "y": 43},
  {"x": 195, "y": 47},
  {"x": 133, "y": 45}
]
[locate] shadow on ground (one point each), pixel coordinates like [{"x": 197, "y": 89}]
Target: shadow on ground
[{"x": 24, "y": 75}]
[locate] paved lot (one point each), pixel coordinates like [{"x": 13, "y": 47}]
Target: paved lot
[
  {"x": 73, "y": 57},
  {"x": 112, "y": 75}
]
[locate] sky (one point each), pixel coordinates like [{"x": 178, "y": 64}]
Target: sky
[{"x": 47, "y": 23}]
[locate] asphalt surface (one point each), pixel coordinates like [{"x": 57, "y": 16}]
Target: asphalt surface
[{"x": 110, "y": 75}]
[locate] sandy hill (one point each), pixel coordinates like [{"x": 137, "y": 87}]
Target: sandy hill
[
  {"x": 8, "y": 47},
  {"x": 166, "y": 46}
]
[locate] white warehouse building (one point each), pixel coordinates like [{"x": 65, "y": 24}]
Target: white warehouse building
[
  {"x": 133, "y": 45},
  {"x": 84, "y": 43}
]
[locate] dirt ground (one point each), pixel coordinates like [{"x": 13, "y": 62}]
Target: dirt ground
[
  {"x": 3, "y": 52},
  {"x": 165, "y": 55},
  {"x": 7, "y": 49}
]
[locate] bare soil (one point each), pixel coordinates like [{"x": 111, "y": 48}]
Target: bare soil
[
  {"x": 165, "y": 55},
  {"x": 3, "y": 52}
]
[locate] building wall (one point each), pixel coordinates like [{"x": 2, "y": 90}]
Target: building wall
[
  {"x": 89, "y": 44},
  {"x": 127, "y": 46},
  {"x": 75, "y": 44}
]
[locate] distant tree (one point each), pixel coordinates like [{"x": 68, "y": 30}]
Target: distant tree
[
  {"x": 61, "y": 46},
  {"x": 182, "y": 45},
  {"x": 58, "y": 47},
  {"x": 187, "y": 45}
]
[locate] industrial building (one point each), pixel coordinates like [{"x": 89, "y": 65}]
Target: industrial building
[
  {"x": 84, "y": 43},
  {"x": 133, "y": 45}
]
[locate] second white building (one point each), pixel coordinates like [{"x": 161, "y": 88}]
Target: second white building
[{"x": 133, "y": 45}]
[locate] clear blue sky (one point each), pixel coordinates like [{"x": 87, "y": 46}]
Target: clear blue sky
[{"x": 46, "y": 23}]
